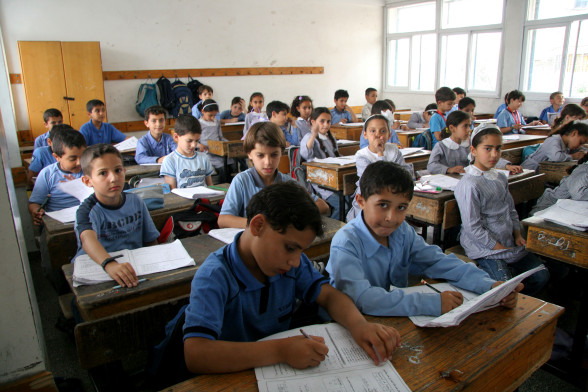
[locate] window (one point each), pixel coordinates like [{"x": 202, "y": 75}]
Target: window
[
  {"x": 455, "y": 43},
  {"x": 556, "y": 48}
]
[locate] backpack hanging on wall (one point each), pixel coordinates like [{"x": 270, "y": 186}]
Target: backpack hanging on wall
[
  {"x": 146, "y": 97},
  {"x": 182, "y": 97},
  {"x": 193, "y": 85},
  {"x": 166, "y": 94}
]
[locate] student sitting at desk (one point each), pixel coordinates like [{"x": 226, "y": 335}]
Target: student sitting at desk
[
  {"x": 490, "y": 227},
  {"x": 301, "y": 110},
  {"x": 561, "y": 147},
  {"x": 43, "y": 156},
  {"x": 263, "y": 145},
  {"x": 155, "y": 144},
  {"x": 468, "y": 105},
  {"x": 68, "y": 146},
  {"x": 342, "y": 113},
  {"x": 111, "y": 220},
  {"x": 501, "y": 107},
  {"x": 378, "y": 249},
  {"x": 570, "y": 113},
  {"x": 51, "y": 117},
  {"x": 371, "y": 96},
  {"x": 186, "y": 167},
  {"x": 510, "y": 120},
  {"x": 204, "y": 92},
  {"x": 444, "y": 98},
  {"x": 248, "y": 290},
  {"x": 236, "y": 113},
  {"x": 385, "y": 109},
  {"x": 254, "y": 113},
  {"x": 557, "y": 101},
  {"x": 211, "y": 130},
  {"x": 421, "y": 120},
  {"x": 96, "y": 130},
  {"x": 277, "y": 112}
]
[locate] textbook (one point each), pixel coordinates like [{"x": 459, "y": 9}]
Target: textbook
[
  {"x": 226, "y": 235},
  {"x": 127, "y": 145},
  {"x": 347, "y": 368},
  {"x": 568, "y": 213},
  {"x": 197, "y": 192},
  {"x": 410, "y": 150},
  {"x": 146, "y": 260},
  {"x": 440, "y": 180}
]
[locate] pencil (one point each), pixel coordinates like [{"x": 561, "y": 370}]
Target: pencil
[
  {"x": 428, "y": 285},
  {"x": 118, "y": 286},
  {"x": 307, "y": 336},
  {"x": 44, "y": 203}
]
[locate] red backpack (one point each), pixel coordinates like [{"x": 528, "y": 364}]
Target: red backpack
[{"x": 201, "y": 217}]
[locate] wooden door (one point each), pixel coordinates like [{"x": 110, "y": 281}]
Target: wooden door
[
  {"x": 82, "y": 65},
  {"x": 43, "y": 80}
]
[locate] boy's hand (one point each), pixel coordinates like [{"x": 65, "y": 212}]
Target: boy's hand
[
  {"x": 376, "y": 336},
  {"x": 578, "y": 155},
  {"x": 450, "y": 300},
  {"x": 510, "y": 301},
  {"x": 123, "y": 273},
  {"x": 243, "y": 105},
  {"x": 517, "y": 126},
  {"x": 456, "y": 169},
  {"x": 343, "y": 121},
  {"x": 38, "y": 217},
  {"x": 202, "y": 147},
  {"x": 300, "y": 352},
  {"x": 68, "y": 177},
  {"x": 514, "y": 169}
]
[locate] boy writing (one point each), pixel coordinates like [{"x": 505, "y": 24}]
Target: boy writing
[
  {"x": 236, "y": 113},
  {"x": 557, "y": 101},
  {"x": 371, "y": 96},
  {"x": 43, "y": 156},
  {"x": 111, "y": 220},
  {"x": 444, "y": 98},
  {"x": 96, "y": 130},
  {"x": 155, "y": 144},
  {"x": 186, "y": 166},
  {"x": 510, "y": 120},
  {"x": 247, "y": 290},
  {"x": 342, "y": 113},
  {"x": 204, "y": 92},
  {"x": 51, "y": 117},
  {"x": 263, "y": 145},
  {"x": 68, "y": 146},
  {"x": 378, "y": 249},
  {"x": 278, "y": 114}
]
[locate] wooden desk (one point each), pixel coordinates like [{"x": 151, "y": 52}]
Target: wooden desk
[
  {"x": 524, "y": 140},
  {"x": 141, "y": 170},
  {"x": 230, "y": 149},
  {"x": 347, "y": 132},
  {"x": 348, "y": 148},
  {"x": 232, "y": 131},
  {"x": 407, "y": 137},
  {"x": 555, "y": 171},
  {"x": 495, "y": 350}
]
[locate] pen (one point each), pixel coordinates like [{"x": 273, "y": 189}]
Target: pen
[
  {"x": 218, "y": 188},
  {"x": 428, "y": 285},
  {"x": 44, "y": 202},
  {"x": 380, "y": 362},
  {"x": 307, "y": 336},
  {"x": 118, "y": 286}
]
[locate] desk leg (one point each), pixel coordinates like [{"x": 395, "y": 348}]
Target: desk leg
[
  {"x": 226, "y": 162},
  {"x": 437, "y": 235},
  {"x": 341, "y": 206},
  {"x": 581, "y": 327}
]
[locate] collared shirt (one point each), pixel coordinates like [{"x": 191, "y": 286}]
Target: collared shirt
[
  {"x": 42, "y": 157},
  {"x": 337, "y": 116},
  {"x": 106, "y": 134},
  {"x": 507, "y": 119},
  {"x": 228, "y": 303},
  {"x": 316, "y": 152},
  {"x": 574, "y": 186},
  {"x": 226, "y": 115},
  {"x": 448, "y": 153},
  {"x": 436, "y": 124},
  {"x": 545, "y": 112},
  {"x": 366, "y": 111},
  {"x": 291, "y": 134},
  {"x": 188, "y": 171},
  {"x": 303, "y": 127},
  {"x": 364, "y": 269},
  {"x": 499, "y": 110},
  {"x": 552, "y": 149},
  {"x": 47, "y": 181},
  {"x": 150, "y": 150},
  {"x": 41, "y": 141}
]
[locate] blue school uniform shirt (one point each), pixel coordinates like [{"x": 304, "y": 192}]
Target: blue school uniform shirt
[
  {"x": 336, "y": 116},
  {"x": 106, "y": 134},
  {"x": 226, "y": 115},
  {"x": 42, "y": 157},
  {"x": 228, "y": 303},
  {"x": 436, "y": 124},
  {"x": 507, "y": 119},
  {"x": 41, "y": 141},
  {"x": 291, "y": 134},
  {"x": 364, "y": 269},
  {"x": 126, "y": 227},
  {"x": 499, "y": 110},
  {"x": 363, "y": 142},
  {"x": 150, "y": 150},
  {"x": 188, "y": 171},
  {"x": 545, "y": 113},
  {"x": 47, "y": 181}
]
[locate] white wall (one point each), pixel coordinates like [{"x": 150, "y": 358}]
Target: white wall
[{"x": 344, "y": 37}]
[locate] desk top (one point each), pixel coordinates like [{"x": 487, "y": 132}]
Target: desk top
[
  {"x": 134, "y": 170},
  {"x": 523, "y": 140},
  {"x": 478, "y": 355}
]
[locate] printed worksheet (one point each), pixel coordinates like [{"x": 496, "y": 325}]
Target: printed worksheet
[
  {"x": 226, "y": 235},
  {"x": 76, "y": 188},
  {"x": 344, "y": 160},
  {"x": 129, "y": 144}
]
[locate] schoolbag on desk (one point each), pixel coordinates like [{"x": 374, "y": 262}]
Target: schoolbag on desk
[
  {"x": 146, "y": 97},
  {"x": 201, "y": 217},
  {"x": 166, "y": 94},
  {"x": 183, "y": 98}
]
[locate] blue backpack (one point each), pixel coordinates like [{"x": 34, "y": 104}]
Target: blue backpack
[
  {"x": 528, "y": 150},
  {"x": 424, "y": 140},
  {"x": 182, "y": 97},
  {"x": 146, "y": 97}
]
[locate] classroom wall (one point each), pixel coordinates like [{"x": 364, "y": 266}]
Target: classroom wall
[{"x": 343, "y": 36}]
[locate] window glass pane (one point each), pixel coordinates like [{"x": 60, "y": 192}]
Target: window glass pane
[
  {"x": 453, "y": 60},
  {"x": 414, "y": 17},
  {"x": 461, "y": 13},
  {"x": 398, "y": 56},
  {"x": 543, "y": 59},
  {"x": 484, "y": 61},
  {"x": 422, "y": 68},
  {"x": 576, "y": 72},
  {"x": 546, "y": 9}
]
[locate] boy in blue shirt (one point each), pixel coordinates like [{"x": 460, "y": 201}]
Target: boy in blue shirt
[
  {"x": 68, "y": 146},
  {"x": 277, "y": 113},
  {"x": 43, "y": 156},
  {"x": 110, "y": 220},
  {"x": 557, "y": 101},
  {"x": 204, "y": 92},
  {"x": 236, "y": 113},
  {"x": 187, "y": 167},
  {"x": 378, "y": 249},
  {"x": 342, "y": 113},
  {"x": 96, "y": 130},
  {"x": 444, "y": 98},
  {"x": 247, "y": 290},
  {"x": 155, "y": 144},
  {"x": 51, "y": 117},
  {"x": 263, "y": 145}
]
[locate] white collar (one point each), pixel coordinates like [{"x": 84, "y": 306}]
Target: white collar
[
  {"x": 322, "y": 137},
  {"x": 491, "y": 174},
  {"x": 449, "y": 143}
]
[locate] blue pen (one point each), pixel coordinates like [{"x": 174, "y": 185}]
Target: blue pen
[{"x": 118, "y": 286}]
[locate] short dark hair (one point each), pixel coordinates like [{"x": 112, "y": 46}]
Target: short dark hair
[
  {"x": 459, "y": 90},
  {"x": 369, "y": 90},
  {"x": 584, "y": 101},
  {"x": 265, "y": 133},
  {"x": 58, "y": 128},
  {"x": 431, "y": 106},
  {"x": 204, "y": 87},
  {"x": 236, "y": 100},
  {"x": 96, "y": 151},
  {"x": 155, "y": 110},
  {"x": 454, "y": 118},
  {"x": 186, "y": 123},
  {"x": 209, "y": 105},
  {"x": 514, "y": 94},
  {"x": 391, "y": 103},
  {"x": 297, "y": 102},
  {"x": 276, "y": 106},
  {"x": 444, "y": 94},
  {"x": 286, "y": 204},
  {"x": 341, "y": 94},
  {"x": 552, "y": 96},
  {"x": 92, "y": 104},
  {"x": 67, "y": 138},
  {"x": 571, "y": 127},
  {"x": 51, "y": 113},
  {"x": 383, "y": 175},
  {"x": 379, "y": 106},
  {"x": 465, "y": 102}
]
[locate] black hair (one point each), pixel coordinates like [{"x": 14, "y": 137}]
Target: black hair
[
  {"x": 383, "y": 175},
  {"x": 459, "y": 90},
  {"x": 286, "y": 204},
  {"x": 96, "y": 151},
  {"x": 552, "y": 96},
  {"x": 490, "y": 130},
  {"x": 315, "y": 114},
  {"x": 58, "y": 128},
  {"x": 209, "y": 105},
  {"x": 379, "y": 106},
  {"x": 341, "y": 94},
  {"x": 297, "y": 102},
  {"x": 465, "y": 102},
  {"x": 431, "y": 107},
  {"x": 369, "y": 90},
  {"x": 582, "y": 160},
  {"x": 444, "y": 94},
  {"x": 67, "y": 138},
  {"x": 391, "y": 103},
  {"x": 571, "y": 127},
  {"x": 571, "y": 109},
  {"x": 513, "y": 95},
  {"x": 51, "y": 113},
  {"x": 236, "y": 100},
  {"x": 186, "y": 123},
  {"x": 155, "y": 110},
  {"x": 375, "y": 117},
  {"x": 92, "y": 104},
  {"x": 584, "y": 101},
  {"x": 276, "y": 106},
  {"x": 204, "y": 87},
  {"x": 255, "y": 94},
  {"x": 455, "y": 118}
]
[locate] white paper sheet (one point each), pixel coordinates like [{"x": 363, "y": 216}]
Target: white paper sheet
[
  {"x": 196, "y": 192},
  {"x": 542, "y": 126},
  {"x": 150, "y": 164},
  {"x": 127, "y": 144},
  {"x": 64, "y": 216},
  {"x": 234, "y": 123},
  {"x": 510, "y": 137},
  {"x": 344, "y": 141},
  {"x": 440, "y": 180},
  {"x": 410, "y": 150},
  {"x": 345, "y": 160},
  {"x": 352, "y": 124},
  {"x": 76, "y": 188},
  {"x": 225, "y": 235},
  {"x": 347, "y": 368},
  {"x": 566, "y": 212},
  {"x": 488, "y": 120}
]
